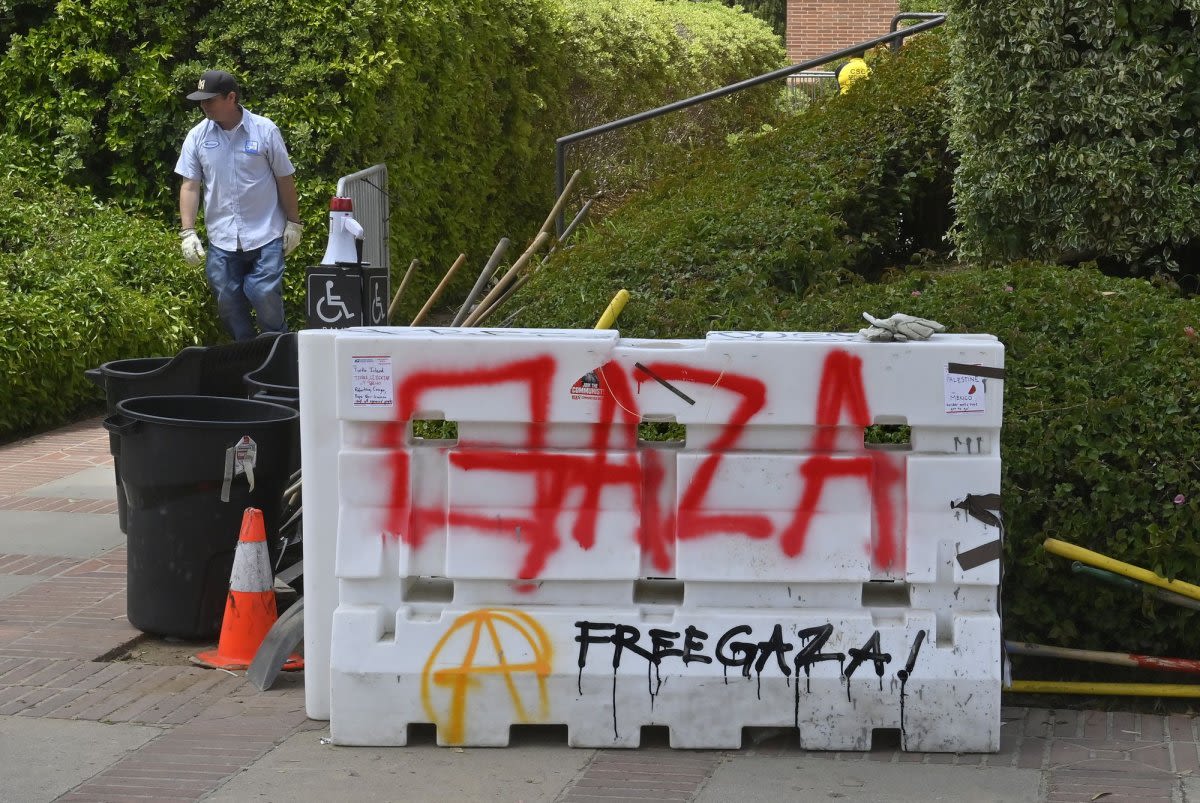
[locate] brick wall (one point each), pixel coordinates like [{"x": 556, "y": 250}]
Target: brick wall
[{"x": 815, "y": 27}]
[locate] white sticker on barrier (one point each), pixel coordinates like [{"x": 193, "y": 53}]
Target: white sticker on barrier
[
  {"x": 371, "y": 384},
  {"x": 964, "y": 393}
]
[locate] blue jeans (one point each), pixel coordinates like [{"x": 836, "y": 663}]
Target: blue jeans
[{"x": 244, "y": 279}]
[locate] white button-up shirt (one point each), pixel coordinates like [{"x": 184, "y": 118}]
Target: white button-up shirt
[{"x": 238, "y": 170}]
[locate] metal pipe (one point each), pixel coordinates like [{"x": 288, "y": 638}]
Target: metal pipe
[
  {"x": 560, "y": 177},
  {"x": 561, "y": 143},
  {"x": 1072, "y": 552},
  {"x": 1186, "y": 665},
  {"x": 481, "y": 282},
  {"x": 909, "y": 15},
  {"x": 380, "y": 168},
  {"x": 1169, "y": 597},
  {"x": 566, "y": 235},
  {"x": 1103, "y": 689}
]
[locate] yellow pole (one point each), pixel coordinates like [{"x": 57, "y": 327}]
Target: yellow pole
[
  {"x": 1111, "y": 689},
  {"x": 614, "y": 309},
  {"x": 1065, "y": 550}
]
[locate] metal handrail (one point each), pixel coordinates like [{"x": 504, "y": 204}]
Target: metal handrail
[
  {"x": 560, "y": 144},
  {"x": 905, "y": 16}
]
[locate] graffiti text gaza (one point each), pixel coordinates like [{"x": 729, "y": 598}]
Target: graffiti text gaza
[{"x": 557, "y": 476}]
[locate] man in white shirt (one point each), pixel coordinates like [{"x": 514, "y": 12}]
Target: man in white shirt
[{"x": 250, "y": 206}]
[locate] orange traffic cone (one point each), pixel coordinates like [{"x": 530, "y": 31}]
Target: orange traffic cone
[{"x": 250, "y": 608}]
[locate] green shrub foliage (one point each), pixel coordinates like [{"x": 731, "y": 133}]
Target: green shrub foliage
[
  {"x": 772, "y": 12},
  {"x": 1077, "y": 129},
  {"x": 461, "y": 98},
  {"x": 630, "y": 56},
  {"x": 1098, "y": 442},
  {"x": 837, "y": 193},
  {"x": 83, "y": 282}
]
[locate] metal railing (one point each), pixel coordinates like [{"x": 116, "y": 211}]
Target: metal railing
[
  {"x": 912, "y": 16},
  {"x": 562, "y": 143},
  {"x": 368, "y": 189},
  {"x": 811, "y": 84}
]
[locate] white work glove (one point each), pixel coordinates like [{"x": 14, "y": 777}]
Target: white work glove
[
  {"x": 291, "y": 237},
  {"x": 899, "y": 327},
  {"x": 189, "y": 243}
]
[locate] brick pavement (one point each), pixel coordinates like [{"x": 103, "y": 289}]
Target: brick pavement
[{"x": 55, "y": 633}]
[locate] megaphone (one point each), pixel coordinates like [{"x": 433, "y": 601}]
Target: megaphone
[{"x": 345, "y": 234}]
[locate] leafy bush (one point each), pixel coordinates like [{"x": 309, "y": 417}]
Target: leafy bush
[
  {"x": 1098, "y": 441},
  {"x": 462, "y": 98},
  {"x": 1077, "y": 130},
  {"x": 841, "y": 191},
  {"x": 457, "y": 96},
  {"x": 81, "y": 283},
  {"x": 630, "y": 56},
  {"x": 772, "y": 12}
]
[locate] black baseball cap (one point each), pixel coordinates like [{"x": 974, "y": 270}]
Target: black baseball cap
[{"x": 213, "y": 83}]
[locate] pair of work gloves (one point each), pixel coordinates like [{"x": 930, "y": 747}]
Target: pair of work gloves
[
  {"x": 899, "y": 327},
  {"x": 193, "y": 249}
]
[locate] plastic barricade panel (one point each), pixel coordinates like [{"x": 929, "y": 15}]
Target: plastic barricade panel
[
  {"x": 547, "y": 509},
  {"x": 835, "y": 675}
]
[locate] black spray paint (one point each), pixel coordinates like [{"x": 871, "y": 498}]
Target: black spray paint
[{"x": 743, "y": 655}]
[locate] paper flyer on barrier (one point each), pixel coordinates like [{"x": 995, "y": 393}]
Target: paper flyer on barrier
[
  {"x": 964, "y": 393},
  {"x": 371, "y": 381}
]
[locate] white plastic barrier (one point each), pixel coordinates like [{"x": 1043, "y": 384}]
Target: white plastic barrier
[{"x": 549, "y": 567}]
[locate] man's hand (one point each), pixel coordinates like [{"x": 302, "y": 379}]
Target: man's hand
[
  {"x": 291, "y": 237},
  {"x": 899, "y": 327},
  {"x": 189, "y": 243}
]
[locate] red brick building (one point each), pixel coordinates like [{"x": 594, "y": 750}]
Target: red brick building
[{"x": 815, "y": 27}]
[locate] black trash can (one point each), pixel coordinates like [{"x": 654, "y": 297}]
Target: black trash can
[
  {"x": 278, "y": 378},
  {"x": 196, "y": 370},
  {"x": 181, "y": 536}
]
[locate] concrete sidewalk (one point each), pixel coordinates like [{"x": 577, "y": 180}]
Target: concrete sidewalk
[{"x": 76, "y": 725}]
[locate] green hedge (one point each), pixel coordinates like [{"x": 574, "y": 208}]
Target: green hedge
[
  {"x": 1078, "y": 130},
  {"x": 461, "y": 98},
  {"x": 840, "y": 192},
  {"x": 1099, "y": 436},
  {"x": 457, "y": 97},
  {"x": 630, "y": 56},
  {"x": 81, "y": 283},
  {"x": 772, "y": 12}
]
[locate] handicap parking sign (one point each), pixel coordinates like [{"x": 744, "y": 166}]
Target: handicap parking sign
[
  {"x": 334, "y": 298},
  {"x": 376, "y": 300}
]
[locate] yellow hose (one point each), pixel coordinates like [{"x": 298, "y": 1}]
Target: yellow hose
[
  {"x": 1113, "y": 689},
  {"x": 1063, "y": 549},
  {"x": 614, "y": 309}
]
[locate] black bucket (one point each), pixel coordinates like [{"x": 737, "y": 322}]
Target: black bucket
[
  {"x": 194, "y": 371},
  {"x": 181, "y": 536}
]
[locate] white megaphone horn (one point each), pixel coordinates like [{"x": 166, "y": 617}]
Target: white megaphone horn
[{"x": 344, "y": 231}]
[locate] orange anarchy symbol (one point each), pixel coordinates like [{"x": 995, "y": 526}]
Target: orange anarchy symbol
[{"x": 525, "y": 638}]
